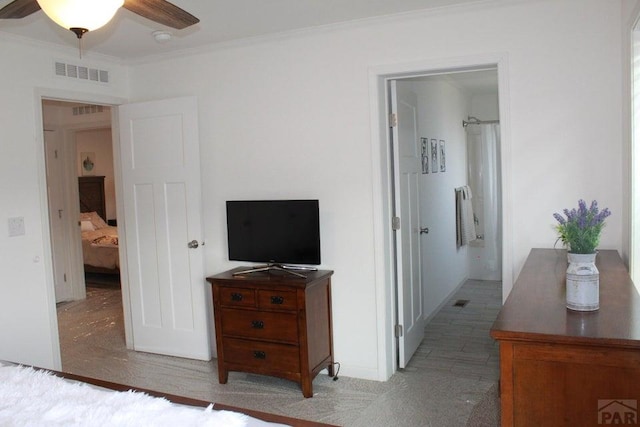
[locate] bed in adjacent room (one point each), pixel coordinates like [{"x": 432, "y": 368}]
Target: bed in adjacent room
[
  {"x": 99, "y": 239},
  {"x": 30, "y": 396},
  {"x": 99, "y": 245}
]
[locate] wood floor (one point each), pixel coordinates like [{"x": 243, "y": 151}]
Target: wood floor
[{"x": 453, "y": 369}]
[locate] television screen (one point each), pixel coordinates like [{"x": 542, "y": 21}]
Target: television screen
[{"x": 274, "y": 231}]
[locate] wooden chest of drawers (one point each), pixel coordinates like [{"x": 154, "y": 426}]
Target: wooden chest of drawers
[
  {"x": 560, "y": 367},
  {"x": 274, "y": 324}
]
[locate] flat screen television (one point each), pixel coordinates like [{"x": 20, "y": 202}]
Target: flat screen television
[{"x": 285, "y": 233}]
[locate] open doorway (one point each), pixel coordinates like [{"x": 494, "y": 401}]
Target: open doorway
[
  {"x": 83, "y": 219},
  {"x": 446, "y": 99},
  {"x": 81, "y": 191},
  {"x": 162, "y": 139}
]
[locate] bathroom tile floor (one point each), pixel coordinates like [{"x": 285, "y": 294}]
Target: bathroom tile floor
[{"x": 457, "y": 339}]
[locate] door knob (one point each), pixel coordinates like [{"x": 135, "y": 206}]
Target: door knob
[
  {"x": 192, "y": 244},
  {"x": 424, "y": 230}
]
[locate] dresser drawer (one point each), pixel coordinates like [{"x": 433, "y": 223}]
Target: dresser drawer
[
  {"x": 257, "y": 354},
  {"x": 260, "y": 324},
  {"x": 276, "y": 300},
  {"x": 237, "y": 297}
]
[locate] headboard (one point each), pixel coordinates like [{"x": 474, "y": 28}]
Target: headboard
[{"x": 91, "y": 192}]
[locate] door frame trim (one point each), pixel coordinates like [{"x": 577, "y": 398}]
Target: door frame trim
[
  {"x": 385, "y": 283},
  {"x": 40, "y": 94},
  {"x": 630, "y": 133}
]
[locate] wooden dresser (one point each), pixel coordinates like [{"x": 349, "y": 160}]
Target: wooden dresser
[
  {"x": 565, "y": 368},
  {"x": 274, "y": 324}
]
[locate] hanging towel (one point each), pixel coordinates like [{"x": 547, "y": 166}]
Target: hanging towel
[{"x": 465, "y": 225}]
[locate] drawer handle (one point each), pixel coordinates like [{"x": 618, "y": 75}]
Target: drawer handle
[
  {"x": 236, "y": 297},
  {"x": 260, "y": 355},
  {"x": 257, "y": 324},
  {"x": 277, "y": 300}
]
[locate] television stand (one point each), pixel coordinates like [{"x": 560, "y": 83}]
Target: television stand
[
  {"x": 274, "y": 324},
  {"x": 277, "y": 267}
]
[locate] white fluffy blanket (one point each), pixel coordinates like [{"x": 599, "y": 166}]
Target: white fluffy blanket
[{"x": 36, "y": 398}]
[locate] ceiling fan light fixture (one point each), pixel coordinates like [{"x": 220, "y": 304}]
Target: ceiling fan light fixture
[{"x": 80, "y": 14}]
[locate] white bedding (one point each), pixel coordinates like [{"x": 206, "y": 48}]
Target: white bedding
[
  {"x": 30, "y": 397},
  {"x": 100, "y": 247}
]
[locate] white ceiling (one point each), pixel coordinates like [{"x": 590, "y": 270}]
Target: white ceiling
[
  {"x": 472, "y": 82},
  {"x": 128, "y": 36}
]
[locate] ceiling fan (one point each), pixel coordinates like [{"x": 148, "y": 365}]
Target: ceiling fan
[{"x": 160, "y": 11}]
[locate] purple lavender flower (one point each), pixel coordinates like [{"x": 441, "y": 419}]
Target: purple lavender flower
[
  {"x": 599, "y": 218},
  {"x": 570, "y": 213},
  {"x": 582, "y": 207},
  {"x": 582, "y": 221},
  {"x": 580, "y": 231},
  {"x": 560, "y": 219}
]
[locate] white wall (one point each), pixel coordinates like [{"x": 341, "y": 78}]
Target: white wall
[
  {"x": 441, "y": 108},
  {"x": 485, "y": 106},
  {"x": 289, "y": 117},
  {"x": 27, "y": 303}
]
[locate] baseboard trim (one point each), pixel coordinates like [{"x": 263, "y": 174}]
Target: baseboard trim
[{"x": 428, "y": 317}]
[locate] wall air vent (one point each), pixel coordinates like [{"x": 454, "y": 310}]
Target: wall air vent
[
  {"x": 81, "y": 72},
  {"x": 87, "y": 109},
  {"x": 72, "y": 71}
]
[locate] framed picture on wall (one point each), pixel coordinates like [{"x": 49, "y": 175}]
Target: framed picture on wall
[
  {"x": 424, "y": 143},
  {"x": 434, "y": 156},
  {"x": 88, "y": 163},
  {"x": 443, "y": 163}
]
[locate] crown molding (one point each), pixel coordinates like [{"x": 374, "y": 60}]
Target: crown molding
[{"x": 470, "y": 7}]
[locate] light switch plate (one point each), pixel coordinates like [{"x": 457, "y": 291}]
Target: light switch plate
[{"x": 16, "y": 226}]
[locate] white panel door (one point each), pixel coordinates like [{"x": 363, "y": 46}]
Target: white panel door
[
  {"x": 407, "y": 169},
  {"x": 58, "y": 215},
  {"x": 162, "y": 206}
]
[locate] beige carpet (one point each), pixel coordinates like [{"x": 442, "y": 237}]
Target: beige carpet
[
  {"x": 92, "y": 344},
  {"x": 486, "y": 412}
]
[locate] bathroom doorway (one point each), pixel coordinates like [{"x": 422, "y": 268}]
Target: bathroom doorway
[{"x": 454, "y": 107}]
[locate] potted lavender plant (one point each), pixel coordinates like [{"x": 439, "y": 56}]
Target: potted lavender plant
[{"x": 580, "y": 233}]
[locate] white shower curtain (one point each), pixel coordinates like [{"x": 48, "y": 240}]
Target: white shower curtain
[
  {"x": 490, "y": 140},
  {"x": 484, "y": 178}
]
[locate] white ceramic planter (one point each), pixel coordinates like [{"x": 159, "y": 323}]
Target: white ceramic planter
[{"x": 583, "y": 282}]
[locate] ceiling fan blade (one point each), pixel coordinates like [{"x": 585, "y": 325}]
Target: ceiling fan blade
[
  {"x": 19, "y": 9},
  {"x": 162, "y": 12}
]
